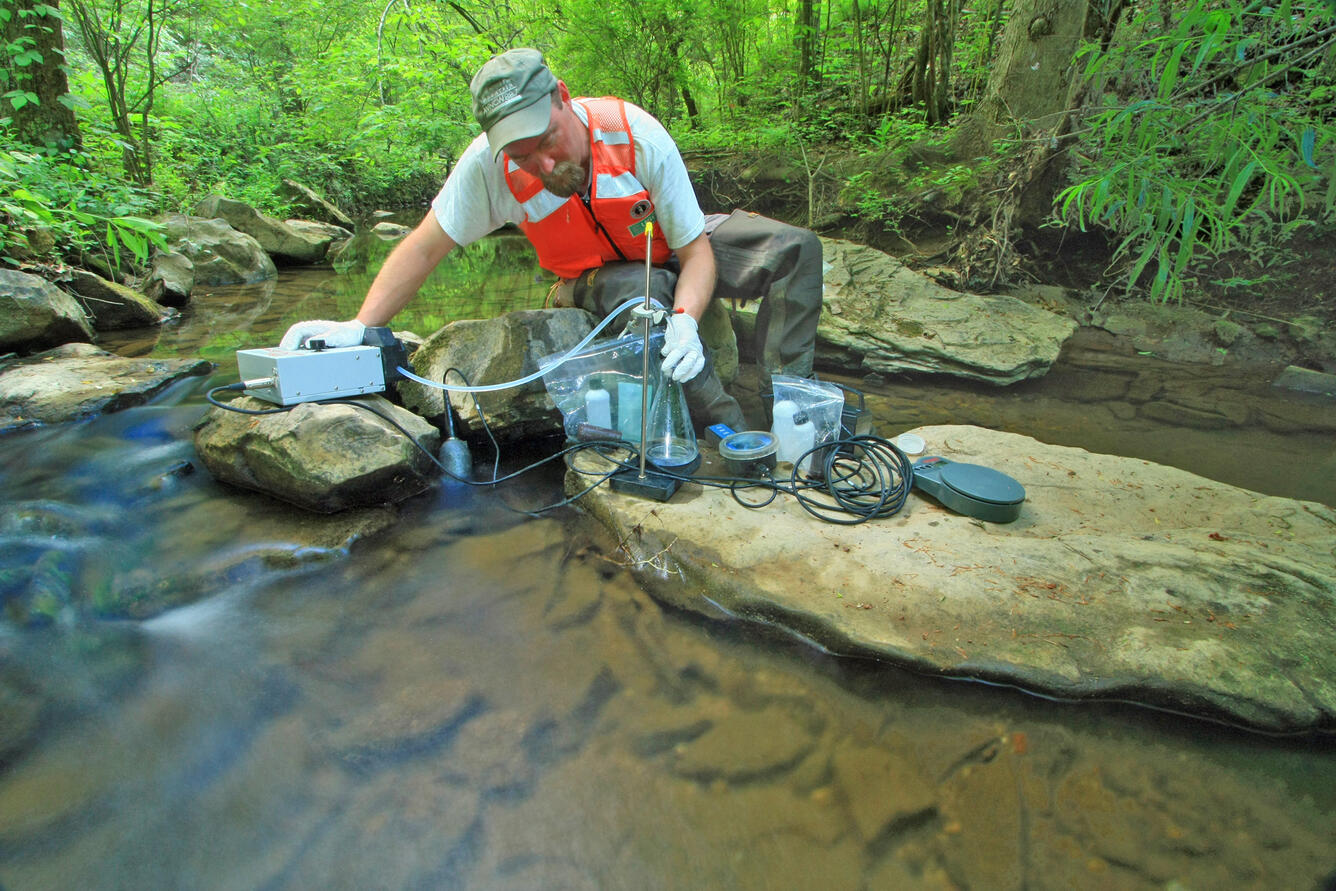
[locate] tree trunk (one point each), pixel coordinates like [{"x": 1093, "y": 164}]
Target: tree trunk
[
  {"x": 1032, "y": 89},
  {"x": 1034, "y": 78},
  {"x": 808, "y": 28},
  {"x": 48, "y": 122},
  {"x": 926, "y": 83}
]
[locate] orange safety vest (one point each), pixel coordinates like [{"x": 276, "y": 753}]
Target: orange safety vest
[{"x": 572, "y": 235}]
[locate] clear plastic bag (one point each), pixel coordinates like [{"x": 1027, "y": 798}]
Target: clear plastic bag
[
  {"x": 823, "y": 403},
  {"x": 604, "y": 381}
]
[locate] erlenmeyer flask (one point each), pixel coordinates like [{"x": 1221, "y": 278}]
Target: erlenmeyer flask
[{"x": 670, "y": 441}]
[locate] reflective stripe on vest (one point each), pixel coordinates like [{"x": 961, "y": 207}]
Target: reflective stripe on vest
[{"x": 571, "y": 236}]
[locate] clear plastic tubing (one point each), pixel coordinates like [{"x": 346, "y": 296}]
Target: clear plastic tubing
[{"x": 492, "y": 388}]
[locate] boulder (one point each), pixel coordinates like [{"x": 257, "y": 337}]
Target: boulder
[
  {"x": 112, "y": 306},
  {"x": 321, "y": 457},
  {"x": 1121, "y": 580},
  {"x": 310, "y": 204},
  {"x": 26, "y": 243},
  {"x": 493, "y": 351},
  {"x": 1306, "y": 380},
  {"x": 328, "y": 233},
  {"x": 78, "y": 380},
  {"x": 386, "y": 229},
  {"x": 880, "y": 316},
  {"x": 221, "y": 255},
  {"x": 171, "y": 279},
  {"x": 35, "y": 314},
  {"x": 283, "y": 243}
]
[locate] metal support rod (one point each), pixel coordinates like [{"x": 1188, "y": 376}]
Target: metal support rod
[{"x": 644, "y": 371}]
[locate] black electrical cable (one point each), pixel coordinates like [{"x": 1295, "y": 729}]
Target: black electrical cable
[
  {"x": 241, "y": 411},
  {"x": 482, "y": 418},
  {"x": 862, "y": 477}
]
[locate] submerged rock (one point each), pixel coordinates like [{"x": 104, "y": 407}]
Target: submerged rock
[
  {"x": 1121, "y": 579},
  {"x": 1306, "y": 380},
  {"x": 79, "y": 380}
]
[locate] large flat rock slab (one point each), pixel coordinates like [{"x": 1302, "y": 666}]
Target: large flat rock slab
[
  {"x": 880, "y": 316},
  {"x": 1121, "y": 579}
]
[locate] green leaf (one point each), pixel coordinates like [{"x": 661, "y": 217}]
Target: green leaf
[
  {"x": 1187, "y": 239},
  {"x": 20, "y": 98},
  {"x": 1306, "y": 145},
  {"x": 1134, "y": 273},
  {"x": 137, "y": 244},
  {"x": 1169, "y": 77},
  {"x": 1235, "y": 191}
]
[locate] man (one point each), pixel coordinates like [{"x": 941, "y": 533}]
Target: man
[{"x": 582, "y": 178}]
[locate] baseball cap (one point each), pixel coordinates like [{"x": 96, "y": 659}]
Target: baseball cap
[{"x": 511, "y": 97}]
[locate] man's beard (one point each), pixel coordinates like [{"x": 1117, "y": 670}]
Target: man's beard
[{"x": 565, "y": 180}]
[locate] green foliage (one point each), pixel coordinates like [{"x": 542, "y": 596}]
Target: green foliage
[
  {"x": 1214, "y": 134},
  {"x": 910, "y": 170},
  {"x": 79, "y": 208}
]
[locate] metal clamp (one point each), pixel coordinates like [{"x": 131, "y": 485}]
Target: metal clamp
[{"x": 654, "y": 314}]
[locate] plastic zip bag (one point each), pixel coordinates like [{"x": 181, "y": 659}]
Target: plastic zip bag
[
  {"x": 604, "y": 380},
  {"x": 823, "y": 403}
]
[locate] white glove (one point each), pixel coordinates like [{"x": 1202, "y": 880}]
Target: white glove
[
  {"x": 681, "y": 346},
  {"x": 334, "y": 334}
]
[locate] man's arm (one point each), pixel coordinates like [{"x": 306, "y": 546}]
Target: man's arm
[
  {"x": 404, "y": 271},
  {"x": 695, "y": 281}
]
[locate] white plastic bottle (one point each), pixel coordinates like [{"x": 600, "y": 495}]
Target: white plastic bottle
[
  {"x": 794, "y": 432},
  {"x": 782, "y": 427},
  {"x": 598, "y": 405},
  {"x": 804, "y": 440}
]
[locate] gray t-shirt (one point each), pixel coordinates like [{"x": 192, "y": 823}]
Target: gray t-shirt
[{"x": 475, "y": 199}]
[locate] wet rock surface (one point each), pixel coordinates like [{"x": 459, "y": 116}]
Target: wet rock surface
[
  {"x": 379, "y": 736},
  {"x": 79, "y": 380},
  {"x": 321, "y": 457},
  {"x": 112, "y": 306},
  {"x": 492, "y": 351},
  {"x": 1121, "y": 579}
]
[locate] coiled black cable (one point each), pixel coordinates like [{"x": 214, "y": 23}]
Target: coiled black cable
[
  {"x": 866, "y": 477},
  {"x": 861, "y": 478}
]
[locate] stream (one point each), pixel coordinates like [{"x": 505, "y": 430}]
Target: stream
[{"x": 479, "y": 699}]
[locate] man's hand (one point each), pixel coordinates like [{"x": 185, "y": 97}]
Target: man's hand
[
  {"x": 334, "y": 334},
  {"x": 681, "y": 346}
]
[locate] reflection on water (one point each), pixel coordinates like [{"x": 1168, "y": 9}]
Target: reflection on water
[
  {"x": 481, "y": 280},
  {"x": 476, "y": 699}
]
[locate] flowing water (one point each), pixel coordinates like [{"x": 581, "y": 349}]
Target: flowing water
[{"x": 480, "y": 699}]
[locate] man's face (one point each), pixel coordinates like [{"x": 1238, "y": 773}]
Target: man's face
[{"x": 558, "y": 156}]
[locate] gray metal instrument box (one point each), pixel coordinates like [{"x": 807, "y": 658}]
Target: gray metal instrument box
[{"x": 292, "y": 376}]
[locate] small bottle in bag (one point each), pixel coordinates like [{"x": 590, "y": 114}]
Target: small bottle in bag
[
  {"x": 598, "y": 403},
  {"x": 794, "y": 432}
]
